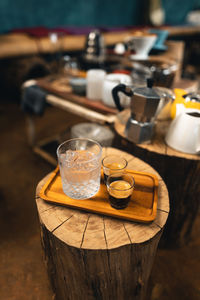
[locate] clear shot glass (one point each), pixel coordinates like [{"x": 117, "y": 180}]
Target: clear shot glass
[
  {"x": 113, "y": 164},
  {"x": 120, "y": 188}
]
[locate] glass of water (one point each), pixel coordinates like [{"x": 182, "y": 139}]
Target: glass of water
[{"x": 80, "y": 167}]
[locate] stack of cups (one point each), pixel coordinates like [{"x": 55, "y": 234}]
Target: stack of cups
[{"x": 95, "y": 79}]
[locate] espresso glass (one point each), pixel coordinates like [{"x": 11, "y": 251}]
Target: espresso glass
[
  {"x": 113, "y": 164},
  {"x": 120, "y": 188}
]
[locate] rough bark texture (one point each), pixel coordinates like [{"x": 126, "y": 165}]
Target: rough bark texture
[
  {"x": 120, "y": 273},
  {"x": 92, "y": 256}
]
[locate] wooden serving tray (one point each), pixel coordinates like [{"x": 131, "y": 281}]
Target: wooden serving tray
[{"x": 142, "y": 207}]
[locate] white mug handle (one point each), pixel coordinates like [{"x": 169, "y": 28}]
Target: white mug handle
[{"x": 197, "y": 146}]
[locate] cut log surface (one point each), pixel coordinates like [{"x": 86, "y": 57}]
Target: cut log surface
[
  {"x": 157, "y": 144},
  {"x": 91, "y": 256}
]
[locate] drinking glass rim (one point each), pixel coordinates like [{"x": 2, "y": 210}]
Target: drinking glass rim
[
  {"x": 82, "y": 139},
  {"x": 117, "y": 175},
  {"x": 126, "y": 162}
]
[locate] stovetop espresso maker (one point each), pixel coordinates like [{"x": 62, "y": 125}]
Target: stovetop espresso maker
[{"x": 145, "y": 105}]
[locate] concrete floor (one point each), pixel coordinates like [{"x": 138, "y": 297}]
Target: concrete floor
[{"x": 175, "y": 274}]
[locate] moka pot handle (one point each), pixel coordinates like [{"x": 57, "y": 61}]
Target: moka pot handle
[{"x": 120, "y": 88}]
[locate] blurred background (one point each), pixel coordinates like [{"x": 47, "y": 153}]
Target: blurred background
[{"x": 33, "y": 44}]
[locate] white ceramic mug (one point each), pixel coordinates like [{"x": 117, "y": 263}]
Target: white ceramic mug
[
  {"x": 184, "y": 132},
  {"x": 95, "y": 79},
  {"x": 110, "y": 81}
]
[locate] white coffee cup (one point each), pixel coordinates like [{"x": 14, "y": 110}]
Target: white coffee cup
[
  {"x": 110, "y": 81},
  {"x": 95, "y": 79},
  {"x": 184, "y": 132}
]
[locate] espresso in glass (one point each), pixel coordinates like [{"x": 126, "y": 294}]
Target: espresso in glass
[
  {"x": 120, "y": 188},
  {"x": 113, "y": 164}
]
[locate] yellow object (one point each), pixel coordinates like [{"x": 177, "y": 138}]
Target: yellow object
[{"x": 182, "y": 103}]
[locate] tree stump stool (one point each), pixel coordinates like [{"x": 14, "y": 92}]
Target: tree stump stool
[
  {"x": 180, "y": 171},
  {"x": 91, "y": 256}
]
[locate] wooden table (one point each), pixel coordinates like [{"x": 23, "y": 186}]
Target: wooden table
[
  {"x": 181, "y": 173},
  {"x": 91, "y": 256}
]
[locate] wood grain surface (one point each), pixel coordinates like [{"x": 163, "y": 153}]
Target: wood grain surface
[{"x": 142, "y": 207}]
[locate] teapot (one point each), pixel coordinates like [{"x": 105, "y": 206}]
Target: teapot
[
  {"x": 184, "y": 101},
  {"x": 145, "y": 105},
  {"x": 184, "y": 132}
]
